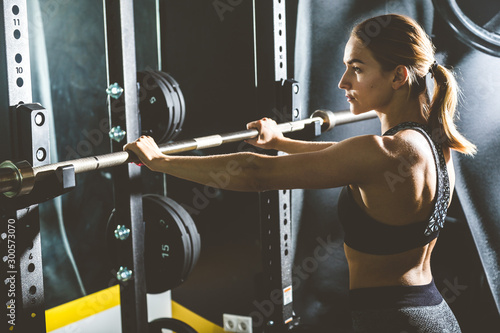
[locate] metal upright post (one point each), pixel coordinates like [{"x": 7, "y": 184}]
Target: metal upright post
[
  {"x": 24, "y": 136},
  {"x": 123, "y": 107},
  {"x": 278, "y": 94}
]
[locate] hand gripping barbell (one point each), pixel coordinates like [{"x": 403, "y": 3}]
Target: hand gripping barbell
[{"x": 18, "y": 179}]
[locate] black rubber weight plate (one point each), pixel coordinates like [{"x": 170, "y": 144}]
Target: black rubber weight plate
[
  {"x": 176, "y": 104},
  {"x": 180, "y": 97},
  {"x": 171, "y": 105},
  {"x": 159, "y": 115},
  {"x": 167, "y": 249},
  {"x": 150, "y": 112},
  {"x": 188, "y": 245},
  {"x": 194, "y": 236}
]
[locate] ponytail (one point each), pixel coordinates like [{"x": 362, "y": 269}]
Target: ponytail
[
  {"x": 442, "y": 109},
  {"x": 400, "y": 40}
]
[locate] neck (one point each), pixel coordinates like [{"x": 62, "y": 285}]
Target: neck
[{"x": 409, "y": 110}]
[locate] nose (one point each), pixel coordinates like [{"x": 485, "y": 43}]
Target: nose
[{"x": 344, "y": 83}]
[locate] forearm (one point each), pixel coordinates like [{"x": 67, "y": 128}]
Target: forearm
[
  {"x": 237, "y": 172},
  {"x": 292, "y": 146}
]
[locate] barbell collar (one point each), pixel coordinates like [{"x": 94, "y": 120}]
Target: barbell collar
[{"x": 18, "y": 179}]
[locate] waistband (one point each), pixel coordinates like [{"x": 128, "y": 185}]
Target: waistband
[{"x": 394, "y": 297}]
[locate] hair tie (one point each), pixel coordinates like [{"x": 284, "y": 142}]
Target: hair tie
[{"x": 433, "y": 68}]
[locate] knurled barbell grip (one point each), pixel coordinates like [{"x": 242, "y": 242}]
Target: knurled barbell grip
[{"x": 9, "y": 181}]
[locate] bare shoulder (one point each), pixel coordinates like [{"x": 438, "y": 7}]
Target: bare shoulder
[
  {"x": 369, "y": 155},
  {"x": 376, "y": 148},
  {"x": 408, "y": 144},
  {"x": 405, "y": 152}
]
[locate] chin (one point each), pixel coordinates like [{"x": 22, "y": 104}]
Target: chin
[{"x": 357, "y": 110}]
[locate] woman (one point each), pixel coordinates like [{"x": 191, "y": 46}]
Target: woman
[{"x": 397, "y": 187}]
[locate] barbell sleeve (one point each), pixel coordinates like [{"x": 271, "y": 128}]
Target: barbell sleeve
[{"x": 17, "y": 179}]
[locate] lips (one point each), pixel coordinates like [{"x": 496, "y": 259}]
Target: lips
[{"x": 349, "y": 98}]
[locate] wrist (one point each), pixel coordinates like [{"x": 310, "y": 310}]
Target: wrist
[
  {"x": 279, "y": 143},
  {"x": 158, "y": 164}
]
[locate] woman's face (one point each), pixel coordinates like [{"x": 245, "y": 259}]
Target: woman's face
[{"x": 367, "y": 86}]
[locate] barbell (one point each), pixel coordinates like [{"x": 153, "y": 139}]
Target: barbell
[{"x": 18, "y": 179}]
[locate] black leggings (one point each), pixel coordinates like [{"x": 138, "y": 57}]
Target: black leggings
[{"x": 401, "y": 309}]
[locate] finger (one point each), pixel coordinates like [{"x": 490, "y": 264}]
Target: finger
[{"x": 254, "y": 124}]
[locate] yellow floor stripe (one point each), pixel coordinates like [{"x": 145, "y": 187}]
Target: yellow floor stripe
[
  {"x": 82, "y": 308},
  {"x": 197, "y": 322},
  {"x": 87, "y": 306}
]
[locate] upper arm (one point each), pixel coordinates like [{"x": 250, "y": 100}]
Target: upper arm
[{"x": 357, "y": 160}]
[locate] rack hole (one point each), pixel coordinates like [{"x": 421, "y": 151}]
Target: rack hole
[
  {"x": 19, "y": 82},
  {"x": 39, "y": 119},
  {"x": 286, "y": 252},
  {"x": 15, "y": 10},
  {"x": 41, "y": 154},
  {"x": 19, "y": 58},
  {"x": 279, "y": 16},
  {"x": 284, "y": 206},
  {"x": 285, "y": 222},
  {"x": 17, "y": 34},
  {"x": 281, "y": 65},
  {"x": 31, "y": 267},
  {"x": 286, "y": 236},
  {"x": 32, "y": 290}
]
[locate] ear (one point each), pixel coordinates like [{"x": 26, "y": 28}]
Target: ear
[{"x": 400, "y": 77}]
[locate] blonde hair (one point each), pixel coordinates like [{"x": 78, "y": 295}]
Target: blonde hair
[{"x": 399, "y": 40}]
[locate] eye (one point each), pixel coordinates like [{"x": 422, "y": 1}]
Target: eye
[{"x": 356, "y": 69}]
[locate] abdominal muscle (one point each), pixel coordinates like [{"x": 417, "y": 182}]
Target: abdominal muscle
[{"x": 409, "y": 268}]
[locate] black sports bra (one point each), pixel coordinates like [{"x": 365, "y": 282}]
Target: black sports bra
[{"x": 365, "y": 234}]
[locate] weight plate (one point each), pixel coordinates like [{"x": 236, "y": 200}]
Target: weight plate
[
  {"x": 193, "y": 232},
  {"x": 180, "y": 97},
  {"x": 188, "y": 249},
  {"x": 155, "y": 107},
  {"x": 157, "y": 326},
  {"x": 194, "y": 236},
  {"x": 165, "y": 270},
  {"x": 177, "y": 111},
  {"x": 151, "y": 105},
  {"x": 168, "y": 247},
  {"x": 165, "y": 120},
  {"x": 179, "y": 94},
  {"x": 177, "y": 106}
]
